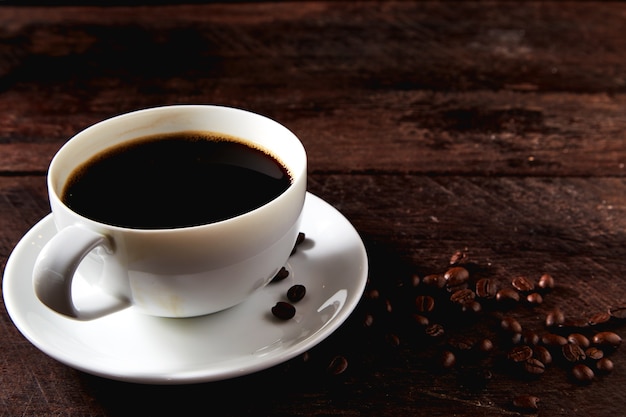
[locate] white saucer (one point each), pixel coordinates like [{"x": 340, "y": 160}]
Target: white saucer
[{"x": 130, "y": 346}]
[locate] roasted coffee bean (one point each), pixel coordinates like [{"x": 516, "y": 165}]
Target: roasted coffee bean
[
  {"x": 424, "y": 303},
  {"x": 542, "y": 354},
  {"x": 485, "y": 345},
  {"x": 618, "y": 312},
  {"x": 434, "y": 330},
  {"x": 301, "y": 237},
  {"x": 553, "y": 340},
  {"x": 368, "y": 320},
  {"x": 520, "y": 353},
  {"x": 573, "y": 353},
  {"x": 522, "y": 284},
  {"x": 486, "y": 288},
  {"x": 283, "y": 310},
  {"x": 582, "y": 373},
  {"x": 526, "y": 402},
  {"x": 458, "y": 257},
  {"x": 599, "y": 318},
  {"x": 579, "y": 339},
  {"x": 447, "y": 359},
  {"x": 472, "y": 307},
  {"x": 463, "y": 297},
  {"x": 421, "y": 320},
  {"x": 296, "y": 293},
  {"x": 507, "y": 295},
  {"x": 534, "y": 366},
  {"x": 280, "y": 275},
  {"x": 594, "y": 353},
  {"x": 434, "y": 281},
  {"x": 415, "y": 280},
  {"x": 534, "y": 298},
  {"x": 388, "y": 306},
  {"x": 510, "y": 325},
  {"x": 337, "y": 365},
  {"x": 605, "y": 365},
  {"x": 372, "y": 294},
  {"x": 393, "y": 339},
  {"x": 461, "y": 344},
  {"x": 546, "y": 282},
  {"x": 530, "y": 338},
  {"x": 555, "y": 317},
  {"x": 456, "y": 276},
  {"x": 610, "y": 339}
]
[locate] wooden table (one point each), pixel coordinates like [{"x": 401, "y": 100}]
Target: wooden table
[{"x": 495, "y": 129}]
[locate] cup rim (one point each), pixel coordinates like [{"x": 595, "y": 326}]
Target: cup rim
[{"x": 298, "y": 175}]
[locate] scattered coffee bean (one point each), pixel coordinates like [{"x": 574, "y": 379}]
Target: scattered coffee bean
[
  {"x": 368, "y": 320},
  {"x": 462, "y": 297},
  {"x": 283, "y": 310},
  {"x": 458, "y": 257},
  {"x": 485, "y": 345},
  {"x": 599, "y": 318},
  {"x": 534, "y": 298},
  {"x": 510, "y": 325},
  {"x": 486, "y": 288},
  {"x": 522, "y": 284},
  {"x": 542, "y": 354},
  {"x": 280, "y": 275},
  {"x": 296, "y": 293},
  {"x": 530, "y": 338},
  {"x": 594, "y": 353},
  {"x": 573, "y": 353},
  {"x": 520, "y": 353},
  {"x": 393, "y": 339},
  {"x": 546, "y": 282},
  {"x": 337, "y": 365},
  {"x": 610, "y": 339},
  {"x": 507, "y": 295},
  {"x": 579, "y": 339},
  {"x": 434, "y": 280},
  {"x": 372, "y": 294},
  {"x": 534, "y": 366},
  {"x": 526, "y": 402},
  {"x": 415, "y": 280},
  {"x": 605, "y": 365},
  {"x": 434, "y": 330},
  {"x": 582, "y": 373},
  {"x": 553, "y": 340},
  {"x": 424, "y": 303},
  {"x": 456, "y": 276},
  {"x": 555, "y": 317},
  {"x": 447, "y": 359},
  {"x": 421, "y": 320},
  {"x": 472, "y": 307}
]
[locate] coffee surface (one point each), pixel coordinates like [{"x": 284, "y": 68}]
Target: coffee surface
[{"x": 175, "y": 180}]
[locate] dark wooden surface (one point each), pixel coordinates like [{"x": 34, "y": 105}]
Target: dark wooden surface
[{"x": 494, "y": 128}]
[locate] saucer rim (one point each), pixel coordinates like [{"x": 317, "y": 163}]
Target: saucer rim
[{"x": 14, "y": 267}]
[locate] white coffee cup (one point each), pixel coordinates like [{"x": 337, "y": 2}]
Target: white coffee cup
[{"x": 180, "y": 272}]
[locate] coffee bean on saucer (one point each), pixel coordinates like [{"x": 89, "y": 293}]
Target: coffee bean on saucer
[
  {"x": 296, "y": 293},
  {"x": 281, "y": 275},
  {"x": 283, "y": 310},
  {"x": 301, "y": 237}
]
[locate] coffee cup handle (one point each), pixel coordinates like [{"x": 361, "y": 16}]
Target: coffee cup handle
[{"x": 55, "y": 268}]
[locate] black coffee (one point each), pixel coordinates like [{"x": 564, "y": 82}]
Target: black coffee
[{"x": 175, "y": 180}]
